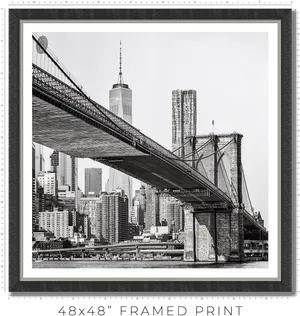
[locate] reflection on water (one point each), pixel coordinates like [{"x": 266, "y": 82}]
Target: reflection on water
[{"x": 146, "y": 264}]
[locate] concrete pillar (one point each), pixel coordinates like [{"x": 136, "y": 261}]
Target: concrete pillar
[{"x": 189, "y": 233}]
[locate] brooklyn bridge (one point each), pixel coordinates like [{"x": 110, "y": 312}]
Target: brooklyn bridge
[{"x": 208, "y": 179}]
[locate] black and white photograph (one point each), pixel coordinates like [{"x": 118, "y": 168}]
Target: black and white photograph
[{"x": 150, "y": 149}]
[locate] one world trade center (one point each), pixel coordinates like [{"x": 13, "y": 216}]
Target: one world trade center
[{"x": 120, "y": 103}]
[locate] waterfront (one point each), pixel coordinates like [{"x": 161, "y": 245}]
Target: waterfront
[{"x": 92, "y": 264}]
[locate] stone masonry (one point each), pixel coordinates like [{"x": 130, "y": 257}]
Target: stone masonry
[{"x": 217, "y": 232}]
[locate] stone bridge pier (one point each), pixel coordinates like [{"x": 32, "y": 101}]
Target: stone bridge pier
[
  {"x": 213, "y": 235},
  {"x": 215, "y": 232}
]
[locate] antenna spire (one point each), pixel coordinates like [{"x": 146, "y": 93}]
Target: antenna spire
[
  {"x": 120, "y": 76},
  {"x": 120, "y": 68}
]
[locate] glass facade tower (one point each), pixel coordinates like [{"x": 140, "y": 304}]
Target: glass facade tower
[{"x": 120, "y": 103}]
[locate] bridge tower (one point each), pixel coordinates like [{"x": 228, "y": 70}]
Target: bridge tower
[{"x": 216, "y": 233}]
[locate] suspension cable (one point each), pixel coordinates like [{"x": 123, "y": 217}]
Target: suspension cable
[
  {"x": 199, "y": 161},
  {"x": 233, "y": 186},
  {"x": 244, "y": 178},
  {"x": 192, "y": 153},
  {"x": 226, "y": 174},
  {"x": 197, "y": 150},
  {"x": 191, "y": 160},
  {"x": 217, "y": 150},
  {"x": 79, "y": 89},
  {"x": 224, "y": 171},
  {"x": 181, "y": 146}
]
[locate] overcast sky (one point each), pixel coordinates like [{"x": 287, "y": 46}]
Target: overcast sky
[{"x": 229, "y": 71}]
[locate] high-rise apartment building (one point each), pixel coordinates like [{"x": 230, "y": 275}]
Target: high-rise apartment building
[
  {"x": 45, "y": 202},
  {"x": 66, "y": 169},
  {"x": 152, "y": 207},
  {"x": 84, "y": 226},
  {"x": 120, "y": 103},
  {"x": 114, "y": 217},
  {"x": 93, "y": 180},
  {"x": 133, "y": 230},
  {"x": 74, "y": 218},
  {"x": 90, "y": 205},
  {"x": 57, "y": 222},
  {"x": 139, "y": 207},
  {"x": 136, "y": 215},
  {"x": 66, "y": 198},
  {"x": 171, "y": 213},
  {"x": 40, "y": 200},
  {"x": 47, "y": 180},
  {"x": 184, "y": 118}
]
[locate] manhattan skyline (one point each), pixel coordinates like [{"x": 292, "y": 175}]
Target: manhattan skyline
[{"x": 228, "y": 71}]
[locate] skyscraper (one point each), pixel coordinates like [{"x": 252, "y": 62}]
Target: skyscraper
[
  {"x": 57, "y": 222},
  {"x": 91, "y": 205},
  {"x": 139, "y": 207},
  {"x": 152, "y": 207},
  {"x": 93, "y": 180},
  {"x": 171, "y": 212},
  {"x": 184, "y": 118},
  {"x": 39, "y": 159},
  {"x": 84, "y": 225},
  {"x": 114, "y": 217},
  {"x": 184, "y": 124},
  {"x": 47, "y": 181},
  {"x": 66, "y": 169},
  {"x": 120, "y": 103}
]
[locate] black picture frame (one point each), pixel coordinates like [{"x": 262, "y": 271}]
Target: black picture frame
[{"x": 285, "y": 285}]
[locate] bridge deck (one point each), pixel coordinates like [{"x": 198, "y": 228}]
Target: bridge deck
[{"x": 66, "y": 121}]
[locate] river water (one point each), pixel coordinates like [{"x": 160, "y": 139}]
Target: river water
[{"x": 145, "y": 264}]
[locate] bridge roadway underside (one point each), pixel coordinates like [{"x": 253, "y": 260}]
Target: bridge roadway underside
[
  {"x": 80, "y": 137},
  {"x": 252, "y": 229}
]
